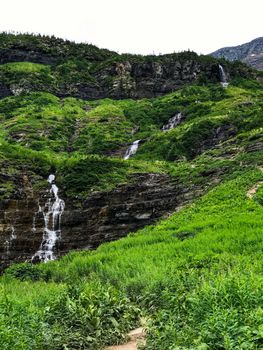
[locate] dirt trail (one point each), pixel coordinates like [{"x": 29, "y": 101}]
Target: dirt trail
[
  {"x": 136, "y": 337},
  {"x": 252, "y": 191}
]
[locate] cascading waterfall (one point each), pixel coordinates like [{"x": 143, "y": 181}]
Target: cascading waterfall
[
  {"x": 9, "y": 242},
  {"x": 132, "y": 149},
  {"x": 52, "y": 212},
  {"x": 173, "y": 122},
  {"x": 223, "y": 78}
]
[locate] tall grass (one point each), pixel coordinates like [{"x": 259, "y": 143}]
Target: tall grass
[{"x": 195, "y": 275}]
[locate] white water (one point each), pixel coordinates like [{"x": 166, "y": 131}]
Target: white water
[
  {"x": 8, "y": 242},
  {"x": 173, "y": 122},
  {"x": 52, "y": 212},
  {"x": 132, "y": 149},
  {"x": 51, "y": 178},
  {"x": 223, "y": 77}
]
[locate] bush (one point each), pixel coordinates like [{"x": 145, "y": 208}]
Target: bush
[{"x": 26, "y": 271}]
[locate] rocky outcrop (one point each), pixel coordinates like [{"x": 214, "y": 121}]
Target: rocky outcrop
[
  {"x": 218, "y": 135},
  {"x": 254, "y": 146},
  {"x": 255, "y": 60},
  {"x": 118, "y": 78},
  {"x": 135, "y": 79},
  {"x": 250, "y": 53},
  {"x": 102, "y": 217},
  {"x": 17, "y": 54},
  {"x": 5, "y": 90}
]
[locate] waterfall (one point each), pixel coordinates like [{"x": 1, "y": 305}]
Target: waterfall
[
  {"x": 223, "y": 78},
  {"x": 52, "y": 212},
  {"x": 8, "y": 243},
  {"x": 173, "y": 122},
  {"x": 132, "y": 149}
]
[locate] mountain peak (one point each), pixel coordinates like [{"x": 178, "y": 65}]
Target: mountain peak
[{"x": 250, "y": 53}]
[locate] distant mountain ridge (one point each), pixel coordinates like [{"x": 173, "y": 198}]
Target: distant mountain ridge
[{"x": 250, "y": 53}]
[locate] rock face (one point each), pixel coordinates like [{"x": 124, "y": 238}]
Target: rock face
[
  {"x": 150, "y": 79},
  {"x": 250, "y": 53},
  {"x": 102, "y": 217},
  {"x": 118, "y": 79}
]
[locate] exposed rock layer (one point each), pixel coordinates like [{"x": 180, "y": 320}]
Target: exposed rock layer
[{"x": 103, "y": 216}]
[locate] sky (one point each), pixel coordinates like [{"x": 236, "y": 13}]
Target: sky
[{"x": 139, "y": 26}]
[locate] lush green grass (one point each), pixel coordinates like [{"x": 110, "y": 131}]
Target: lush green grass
[
  {"x": 196, "y": 276},
  {"x": 41, "y": 121},
  {"x": 42, "y": 133},
  {"x": 26, "y": 67},
  {"x": 232, "y": 114}
]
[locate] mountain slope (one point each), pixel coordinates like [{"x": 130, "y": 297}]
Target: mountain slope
[
  {"x": 192, "y": 276},
  {"x": 187, "y": 203},
  {"x": 83, "y": 143},
  {"x": 250, "y": 53}
]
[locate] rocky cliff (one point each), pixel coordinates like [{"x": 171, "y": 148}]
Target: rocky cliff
[
  {"x": 250, "y": 53},
  {"x": 101, "y": 217}
]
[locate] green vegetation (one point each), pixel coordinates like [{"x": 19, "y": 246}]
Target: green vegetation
[
  {"x": 196, "y": 277},
  {"x": 200, "y": 292},
  {"x": 75, "y": 137},
  {"x": 56, "y": 48},
  {"x": 31, "y": 63}
]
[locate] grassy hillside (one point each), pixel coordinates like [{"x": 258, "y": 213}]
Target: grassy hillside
[
  {"x": 196, "y": 276},
  {"x": 75, "y": 138}
]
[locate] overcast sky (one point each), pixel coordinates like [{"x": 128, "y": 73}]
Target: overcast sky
[{"x": 139, "y": 26}]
